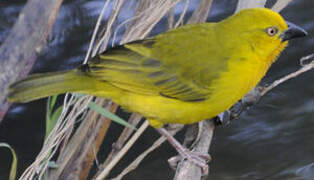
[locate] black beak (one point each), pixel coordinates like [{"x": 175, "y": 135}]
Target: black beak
[{"x": 292, "y": 32}]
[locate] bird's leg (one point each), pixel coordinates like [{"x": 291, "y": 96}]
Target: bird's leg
[
  {"x": 197, "y": 158},
  {"x": 234, "y": 112},
  {"x": 223, "y": 118}
]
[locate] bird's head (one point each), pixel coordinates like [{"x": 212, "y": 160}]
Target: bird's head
[{"x": 266, "y": 32}]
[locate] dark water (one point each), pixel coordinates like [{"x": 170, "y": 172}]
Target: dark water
[{"x": 273, "y": 140}]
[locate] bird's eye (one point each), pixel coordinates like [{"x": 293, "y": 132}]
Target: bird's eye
[{"x": 272, "y": 31}]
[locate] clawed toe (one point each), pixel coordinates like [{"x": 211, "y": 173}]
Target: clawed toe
[
  {"x": 203, "y": 156},
  {"x": 198, "y": 158},
  {"x": 174, "y": 161}
]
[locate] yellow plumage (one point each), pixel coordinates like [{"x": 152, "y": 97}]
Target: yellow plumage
[{"x": 182, "y": 76}]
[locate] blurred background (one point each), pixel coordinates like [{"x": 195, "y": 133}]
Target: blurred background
[{"x": 272, "y": 140}]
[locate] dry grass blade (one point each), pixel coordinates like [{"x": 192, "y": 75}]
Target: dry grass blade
[
  {"x": 123, "y": 151},
  {"x": 78, "y": 155},
  {"x": 126, "y": 133},
  {"x": 244, "y": 4},
  {"x": 203, "y": 15},
  {"x": 95, "y": 33},
  {"x": 103, "y": 43},
  {"x": 147, "y": 15},
  {"x": 181, "y": 18},
  {"x": 76, "y": 160},
  {"x": 201, "y": 12},
  {"x": 63, "y": 128},
  {"x": 140, "y": 158},
  {"x": 170, "y": 18},
  {"x": 280, "y": 5},
  {"x": 57, "y": 135}
]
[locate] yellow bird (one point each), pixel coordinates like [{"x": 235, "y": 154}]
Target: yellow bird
[{"x": 181, "y": 76}]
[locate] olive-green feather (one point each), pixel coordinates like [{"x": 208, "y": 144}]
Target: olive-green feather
[
  {"x": 154, "y": 66},
  {"x": 42, "y": 85}
]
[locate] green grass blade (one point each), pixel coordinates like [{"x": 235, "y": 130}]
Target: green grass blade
[
  {"x": 52, "y": 116},
  {"x": 53, "y": 101},
  {"x": 109, "y": 115},
  {"x": 14, "y": 161},
  {"x": 106, "y": 113}
]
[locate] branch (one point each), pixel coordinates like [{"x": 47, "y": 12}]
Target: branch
[
  {"x": 25, "y": 41},
  {"x": 188, "y": 170},
  {"x": 305, "y": 68}
]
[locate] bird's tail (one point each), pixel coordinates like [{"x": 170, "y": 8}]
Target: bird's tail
[{"x": 42, "y": 85}]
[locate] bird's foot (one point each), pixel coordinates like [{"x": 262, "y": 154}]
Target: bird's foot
[{"x": 200, "y": 159}]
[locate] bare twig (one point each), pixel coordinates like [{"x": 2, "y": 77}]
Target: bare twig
[
  {"x": 124, "y": 150},
  {"x": 280, "y": 5},
  {"x": 258, "y": 92},
  {"x": 305, "y": 68}
]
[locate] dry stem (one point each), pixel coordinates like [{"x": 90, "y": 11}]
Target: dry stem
[
  {"x": 244, "y": 4},
  {"x": 141, "y": 157},
  {"x": 280, "y": 5},
  {"x": 201, "y": 12},
  {"x": 123, "y": 151},
  {"x": 304, "y": 69},
  {"x": 126, "y": 133}
]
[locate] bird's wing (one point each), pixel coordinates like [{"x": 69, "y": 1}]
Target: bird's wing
[{"x": 137, "y": 67}]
